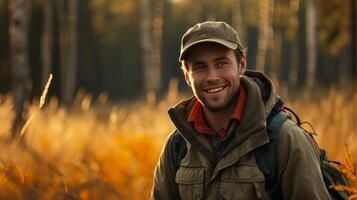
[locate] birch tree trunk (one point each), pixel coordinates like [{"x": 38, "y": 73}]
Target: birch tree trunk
[
  {"x": 151, "y": 26},
  {"x": 68, "y": 17},
  {"x": 310, "y": 42},
  {"x": 354, "y": 40},
  {"x": 277, "y": 40},
  {"x": 263, "y": 35},
  {"x": 268, "y": 63},
  {"x": 47, "y": 40},
  {"x": 146, "y": 42},
  {"x": 237, "y": 21},
  {"x": 157, "y": 27},
  {"x": 292, "y": 78},
  {"x": 299, "y": 46},
  {"x": 71, "y": 68},
  {"x": 63, "y": 45},
  {"x": 18, "y": 33}
]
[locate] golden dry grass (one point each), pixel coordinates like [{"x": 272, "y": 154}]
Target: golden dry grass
[
  {"x": 107, "y": 151},
  {"x": 334, "y": 118}
]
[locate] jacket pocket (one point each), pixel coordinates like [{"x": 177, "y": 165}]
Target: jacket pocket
[
  {"x": 243, "y": 182},
  {"x": 190, "y": 181}
]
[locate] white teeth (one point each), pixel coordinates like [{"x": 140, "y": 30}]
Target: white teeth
[{"x": 214, "y": 90}]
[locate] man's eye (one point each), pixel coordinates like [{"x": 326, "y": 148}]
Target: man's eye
[
  {"x": 198, "y": 67},
  {"x": 222, "y": 63}
]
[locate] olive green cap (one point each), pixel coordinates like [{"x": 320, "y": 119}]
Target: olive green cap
[{"x": 210, "y": 31}]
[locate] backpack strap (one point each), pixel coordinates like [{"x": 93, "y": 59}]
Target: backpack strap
[
  {"x": 298, "y": 121},
  {"x": 178, "y": 149},
  {"x": 266, "y": 156}
]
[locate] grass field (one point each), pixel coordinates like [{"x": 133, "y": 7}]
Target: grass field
[{"x": 107, "y": 151}]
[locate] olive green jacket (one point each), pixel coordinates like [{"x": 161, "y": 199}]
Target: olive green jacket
[{"x": 235, "y": 174}]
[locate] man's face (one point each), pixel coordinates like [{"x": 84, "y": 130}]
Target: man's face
[{"x": 213, "y": 73}]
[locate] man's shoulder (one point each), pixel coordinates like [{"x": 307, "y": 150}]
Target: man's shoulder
[
  {"x": 291, "y": 131},
  {"x": 290, "y": 127},
  {"x": 293, "y": 138},
  {"x": 173, "y": 139}
]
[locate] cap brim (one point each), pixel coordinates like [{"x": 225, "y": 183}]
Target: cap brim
[{"x": 230, "y": 45}]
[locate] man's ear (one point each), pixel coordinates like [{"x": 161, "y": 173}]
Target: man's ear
[
  {"x": 242, "y": 65},
  {"x": 187, "y": 78}
]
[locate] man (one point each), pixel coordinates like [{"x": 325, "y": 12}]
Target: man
[{"x": 224, "y": 123}]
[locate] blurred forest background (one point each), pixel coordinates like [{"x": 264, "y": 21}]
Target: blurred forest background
[
  {"x": 116, "y": 72},
  {"x": 128, "y": 47}
]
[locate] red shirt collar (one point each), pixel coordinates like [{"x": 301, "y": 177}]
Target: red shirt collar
[{"x": 197, "y": 118}]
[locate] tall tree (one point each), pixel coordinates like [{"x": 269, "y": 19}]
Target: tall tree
[
  {"x": 354, "y": 39},
  {"x": 71, "y": 69},
  {"x": 146, "y": 42},
  {"x": 67, "y": 13},
  {"x": 47, "y": 40},
  {"x": 237, "y": 21},
  {"x": 63, "y": 44},
  {"x": 277, "y": 38},
  {"x": 18, "y": 33},
  {"x": 157, "y": 28},
  {"x": 264, "y": 24},
  {"x": 151, "y": 24},
  {"x": 293, "y": 43},
  {"x": 310, "y": 42},
  {"x": 270, "y": 41},
  {"x": 299, "y": 45}
]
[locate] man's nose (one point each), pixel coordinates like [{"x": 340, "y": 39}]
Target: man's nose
[{"x": 212, "y": 74}]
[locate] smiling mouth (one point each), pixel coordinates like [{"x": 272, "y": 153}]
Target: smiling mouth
[{"x": 215, "y": 90}]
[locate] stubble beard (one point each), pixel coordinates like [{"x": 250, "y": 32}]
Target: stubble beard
[{"x": 230, "y": 103}]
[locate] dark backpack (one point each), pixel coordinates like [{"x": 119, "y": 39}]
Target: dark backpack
[{"x": 267, "y": 157}]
